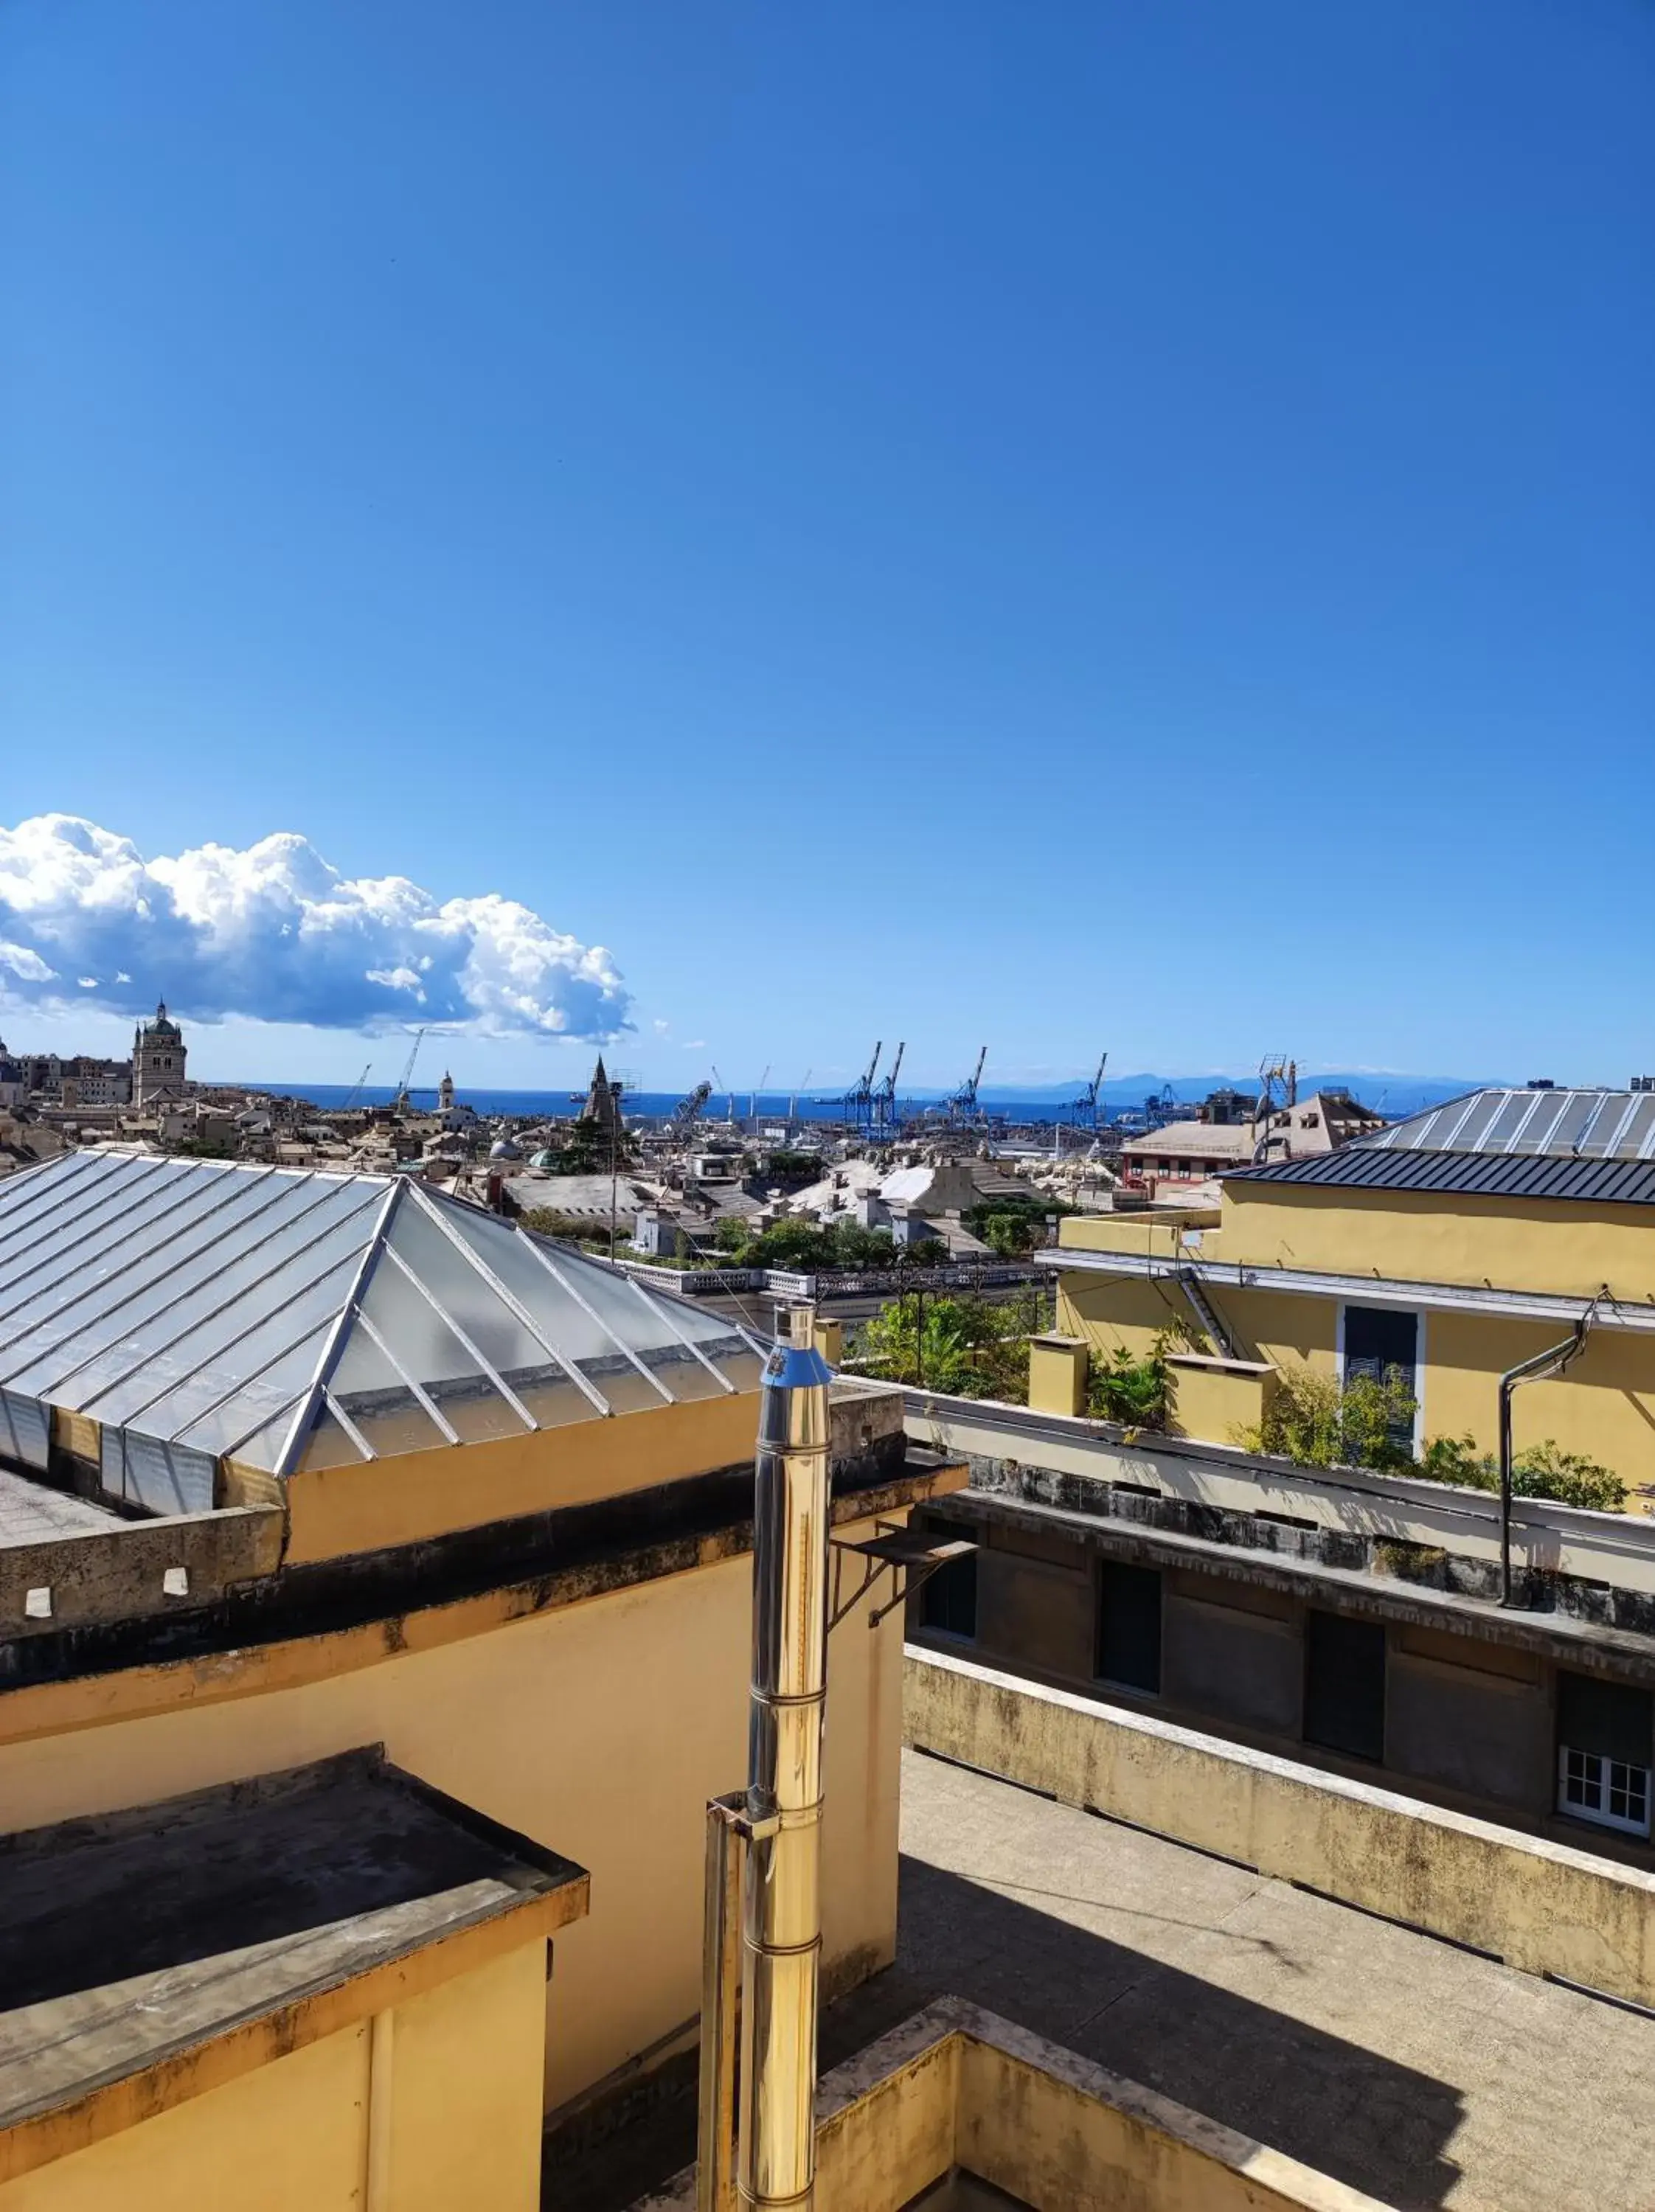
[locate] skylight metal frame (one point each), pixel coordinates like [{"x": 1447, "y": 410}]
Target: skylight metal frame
[
  {"x": 1510, "y": 1145},
  {"x": 515, "y": 1306},
  {"x": 485, "y": 1366},
  {"x": 1634, "y": 1099},
  {"x": 82, "y": 1182},
  {"x": 626, "y": 1350},
  {"x": 141, "y": 1289},
  {"x": 1592, "y": 1120},
  {"x": 156, "y": 1351},
  {"x": 189, "y": 1196},
  {"x": 427, "y": 1403},
  {"x": 665, "y": 1309},
  {"x": 60, "y": 1253},
  {"x": 333, "y": 1407},
  {"x": 304, "y": 1420}
]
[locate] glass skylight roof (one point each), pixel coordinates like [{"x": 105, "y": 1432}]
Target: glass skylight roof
[
  {"x": 1587, "y": 1125},
  {"x": 287, "y": 1319}
]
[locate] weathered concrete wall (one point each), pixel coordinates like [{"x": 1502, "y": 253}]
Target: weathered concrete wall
[
  {"x": 433, "y": 2105},
  {"x": 956, "y": 2085},
  {"x": 1539, "y": 1906},
  {"x": 134, "y": 1568}
]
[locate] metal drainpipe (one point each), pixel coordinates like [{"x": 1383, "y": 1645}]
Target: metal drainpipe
[
  {"x": 1540, "y": 1367},
  {"x": 783, "y": 1923}
]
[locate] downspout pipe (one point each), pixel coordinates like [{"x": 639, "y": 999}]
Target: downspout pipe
[
  {"x": 781, "y": 1932},
  {"x": 1540, "y": 1367}
]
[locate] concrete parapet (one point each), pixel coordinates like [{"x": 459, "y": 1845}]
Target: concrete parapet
[
  {"x": 1057, "y": 1374},
  {"x": 1218, "y": 1397},
  {"x": 956, "y": 2088},
  {"x": 1538, "y": 1905}
]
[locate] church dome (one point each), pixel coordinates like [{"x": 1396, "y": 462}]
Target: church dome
[{"x": 503, "y": 1149}]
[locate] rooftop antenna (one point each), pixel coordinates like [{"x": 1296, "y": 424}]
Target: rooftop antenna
[{"x": 1278, "y": 1086}]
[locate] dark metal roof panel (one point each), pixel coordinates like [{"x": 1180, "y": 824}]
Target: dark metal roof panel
[{"x": 1473, "y": 1175}]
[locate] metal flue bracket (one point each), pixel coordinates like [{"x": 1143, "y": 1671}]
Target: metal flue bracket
[{"x": 911, "y": 1557}]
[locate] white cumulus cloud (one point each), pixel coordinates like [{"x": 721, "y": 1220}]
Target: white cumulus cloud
[{"x": 278, "y": 934}]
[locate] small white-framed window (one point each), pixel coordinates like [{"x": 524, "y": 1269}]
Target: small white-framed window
[{"x": 1611, "y": 1792}]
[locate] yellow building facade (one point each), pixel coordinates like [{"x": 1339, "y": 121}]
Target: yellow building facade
[
  {"x": 487, "y": 1518},
  {"x": 1468, "y": 1281}
]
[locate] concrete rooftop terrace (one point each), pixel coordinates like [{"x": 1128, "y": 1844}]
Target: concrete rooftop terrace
[{"x": 1417, "y": 2072}]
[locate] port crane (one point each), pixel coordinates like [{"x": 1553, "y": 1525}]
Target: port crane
[
  {"x": 403, "y": 1097},
  {"x": 963, "y": 1106},
  {"x": 353, "y": 1096},
  {"x": 687, "y": 1112},
  {"x": 753, "y": 1097},
  {"x": 884, "y": 1118},
  {"x": 859, "y": 1100},
  {"x": 1084, "y": 1111},
  {"x": 729, "y": 1094}
]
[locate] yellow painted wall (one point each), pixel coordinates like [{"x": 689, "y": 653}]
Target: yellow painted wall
[
  {"x": 1428, "y": 1237},
  {"x": 1057, "y": 1375},
  {"x": 466, "y": 2067},
  {"x": 292, "y": 2134},
  {"x": 1165, "y": 1231},
  {"x": 1604, "y": 1406},
  {"x": 410, "y": 1496},
  {"x": 599, "y": 1728},
  {"x": 1214, "y": 1398},
  {"x": 1110, "y": 1311},
  {"x": 458, "y": 2123}
]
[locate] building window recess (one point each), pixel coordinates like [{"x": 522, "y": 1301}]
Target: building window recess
[
  {"x": 948, "y": 1600},
  {"x": 1130, "y": 1626},
  {"x": 1604, "y": 1753},
  {"x": 1345, "y": 1685}
]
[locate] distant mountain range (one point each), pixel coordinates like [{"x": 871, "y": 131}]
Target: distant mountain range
[{"x": 1391, "y": 1094}]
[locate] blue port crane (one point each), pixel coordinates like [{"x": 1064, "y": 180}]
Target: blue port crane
[
  {"x": 1084, "y": 1111},
  {"x": 963, "y": 1106}
]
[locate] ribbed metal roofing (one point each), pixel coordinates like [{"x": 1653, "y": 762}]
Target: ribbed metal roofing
[
  {"x": 1588, "y": 1125},
  {"x": 1473, "y": 1175},
  {"x": 199, "y": 1311}
]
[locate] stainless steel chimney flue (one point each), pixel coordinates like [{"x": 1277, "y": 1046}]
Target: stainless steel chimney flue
[{"x": 781, "y": 1936}]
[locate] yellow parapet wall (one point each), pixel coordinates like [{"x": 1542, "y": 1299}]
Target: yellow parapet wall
[
  {"x": 417, "y": 1495},
  {"x": 1540, "y": 1906},
  {"x": 956, "y": 2086}
]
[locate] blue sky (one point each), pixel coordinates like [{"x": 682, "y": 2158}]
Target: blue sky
[{"x": 1072, "y": 525}]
